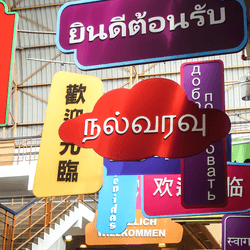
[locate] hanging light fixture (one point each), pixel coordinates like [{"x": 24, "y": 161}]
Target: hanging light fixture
[
  {"x": 245, "y": 89},
  {"x": 68, "y": 238},
  {"x": 161, "y": 245},
  {"x": 83, "y": 246}
]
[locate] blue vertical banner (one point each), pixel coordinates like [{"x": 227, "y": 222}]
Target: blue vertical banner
[{"x": 117, "y": 202}]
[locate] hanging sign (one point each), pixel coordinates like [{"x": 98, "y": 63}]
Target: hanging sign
[
  {"x": 159, "y": 191},
  {"x": 116, "y": 204},
  {"x": 204, "y": 175},
  {"x": 8, "y": 29},
  {"x": 141, "y": 231},
  {"x": 64, "y": 168},
  {"x": 152, "y": 165},
  {"x": 236, "y": 232},
  {"x": 153, "y": 118},
  {"x": 114, "y": 33}
]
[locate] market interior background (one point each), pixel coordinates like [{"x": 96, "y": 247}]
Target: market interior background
[{"x": 37, "y": 59}]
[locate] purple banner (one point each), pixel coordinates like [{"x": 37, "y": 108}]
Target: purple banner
[
  {"x": 236, "y": 232},
  {"x": 124, "y": 32},
  {"x": 152, "y": 165},
  {"x": 204, "y": 175}
]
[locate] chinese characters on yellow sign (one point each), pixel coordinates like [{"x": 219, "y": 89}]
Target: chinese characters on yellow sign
[{"x": 64, "y": 168}]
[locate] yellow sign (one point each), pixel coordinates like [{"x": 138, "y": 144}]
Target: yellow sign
[
  {"x": 142, "y": 231},
  {"x": 64, "y": 168}
]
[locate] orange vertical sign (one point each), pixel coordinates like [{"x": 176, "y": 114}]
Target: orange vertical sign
[{"x": 8, "y": 27}]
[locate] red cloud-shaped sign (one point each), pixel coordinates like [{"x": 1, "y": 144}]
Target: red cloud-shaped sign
[{"x": 153, "y": 118}]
